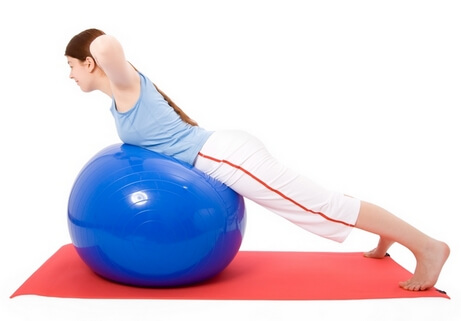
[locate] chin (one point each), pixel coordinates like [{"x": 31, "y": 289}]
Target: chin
[{"x": 86, "y": 90}]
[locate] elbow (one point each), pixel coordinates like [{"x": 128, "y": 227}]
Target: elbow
[{"x": 104, "y": 46}]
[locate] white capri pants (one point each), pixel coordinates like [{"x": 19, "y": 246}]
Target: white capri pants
[{"x": 241, "y": 161}]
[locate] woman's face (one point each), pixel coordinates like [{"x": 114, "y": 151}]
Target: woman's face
[{"x": 80, "y": 71}]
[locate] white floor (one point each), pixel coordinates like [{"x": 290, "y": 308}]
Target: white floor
[{"x": 361, "y": 96}]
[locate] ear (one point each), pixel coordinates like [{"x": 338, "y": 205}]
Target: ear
[{"x": 90, "y": 63}]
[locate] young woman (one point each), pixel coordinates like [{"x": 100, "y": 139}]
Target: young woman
[{"x": 146, "y": 117}]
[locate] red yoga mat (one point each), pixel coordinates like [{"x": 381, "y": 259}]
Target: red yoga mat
[{"x": 250, "y": 276}]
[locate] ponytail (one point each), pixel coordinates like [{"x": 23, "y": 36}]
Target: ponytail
[{"x": 178, "y": 110}]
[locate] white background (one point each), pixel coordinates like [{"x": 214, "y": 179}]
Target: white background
[{"x": 361, "y": 96}]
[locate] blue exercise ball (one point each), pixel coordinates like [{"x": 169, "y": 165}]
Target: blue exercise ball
[{"x": 144, "y": 219}]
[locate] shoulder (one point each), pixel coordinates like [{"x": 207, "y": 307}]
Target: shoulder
[{"x": 126, "y": 96}]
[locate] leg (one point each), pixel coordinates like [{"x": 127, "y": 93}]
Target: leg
[
  {"x": 430, "y": 254},
  {"x": 241, "y": 161}
]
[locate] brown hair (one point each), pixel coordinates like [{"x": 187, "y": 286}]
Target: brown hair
[{"x": 79, "y": 48}]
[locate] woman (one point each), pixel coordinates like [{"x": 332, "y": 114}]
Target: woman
[{"x": 146, "y": 117}]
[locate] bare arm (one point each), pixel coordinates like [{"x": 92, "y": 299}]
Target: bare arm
[{"x": 124, "y": 79}]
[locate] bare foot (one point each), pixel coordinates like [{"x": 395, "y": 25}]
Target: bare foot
[
  {"x": 429, "y": 264},
  {"x": 381, "y": 250}
]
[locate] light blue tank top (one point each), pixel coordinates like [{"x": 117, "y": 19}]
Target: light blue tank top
[{"x": 154, "y": 125}]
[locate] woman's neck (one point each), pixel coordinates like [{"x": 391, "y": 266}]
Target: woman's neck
[{"x": 103, "y": 85}]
